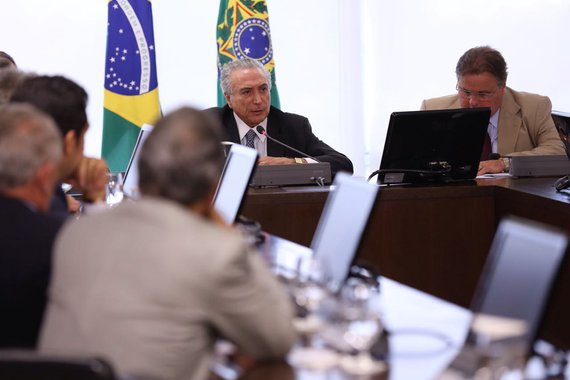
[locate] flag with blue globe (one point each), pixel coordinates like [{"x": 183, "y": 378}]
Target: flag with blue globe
[{"x": 243, "y": 31}]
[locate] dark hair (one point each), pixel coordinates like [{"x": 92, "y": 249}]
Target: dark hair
[
  {"x": 182, "y": 160},
  {"x": 6, "y": 60},
  {"x": 61, "y": 98},
  {"x": 483, "y": 59}
]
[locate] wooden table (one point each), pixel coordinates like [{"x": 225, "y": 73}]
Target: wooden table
[{"x": 433, "y": 238}]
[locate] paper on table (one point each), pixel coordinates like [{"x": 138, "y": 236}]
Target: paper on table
[{"x": 496, "y": 328}]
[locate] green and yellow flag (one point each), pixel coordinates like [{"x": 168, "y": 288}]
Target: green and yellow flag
[
  {"x": 243, "y": 31},
  {"x": 131, "y": 85}
]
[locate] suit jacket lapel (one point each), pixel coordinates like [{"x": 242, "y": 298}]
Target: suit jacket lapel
[
  {"x": 229, "y": 121},
  {"x": 510, "y": 123},
  {"x": 275, "y": 130}
]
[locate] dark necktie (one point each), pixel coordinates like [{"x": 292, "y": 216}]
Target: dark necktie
[
  {"x": 250, "y": 138},
  {"x": 487, "y": 148}
]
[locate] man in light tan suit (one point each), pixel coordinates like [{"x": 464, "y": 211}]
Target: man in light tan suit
[
  {"x": 150, "y": 285},
  {"x": 520, "y": 122}
]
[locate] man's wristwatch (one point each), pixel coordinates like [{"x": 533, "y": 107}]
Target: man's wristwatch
[
  {"x": 300, "y": 160},
  {"x": 506, "y": 163}
]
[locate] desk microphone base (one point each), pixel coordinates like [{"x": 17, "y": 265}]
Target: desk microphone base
[{"x": 293, "y": 174}]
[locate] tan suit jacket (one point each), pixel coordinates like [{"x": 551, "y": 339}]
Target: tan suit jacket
[
  {"x": 151, "y": 286},
  {"x": 525, "y": 123}
]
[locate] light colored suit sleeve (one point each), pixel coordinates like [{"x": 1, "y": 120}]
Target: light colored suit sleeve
[
  {"x": 541, "y": 137},
  {"x": 251, "y": 308}
]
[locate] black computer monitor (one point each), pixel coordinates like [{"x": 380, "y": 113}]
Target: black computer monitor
[
  {"x": 562, "y": 123},
  {"x": 433, "y": 146}
]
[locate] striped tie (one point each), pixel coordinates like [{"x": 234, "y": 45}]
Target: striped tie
[{"x": 250, "y": 138}]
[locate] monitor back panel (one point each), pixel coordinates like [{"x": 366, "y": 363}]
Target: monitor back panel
[
  {"x": 232, "y": 187},
  {"x": 342, "y": 224},
  {"x": 131, "y": 179},
  {"x": 521, "y": 267}
]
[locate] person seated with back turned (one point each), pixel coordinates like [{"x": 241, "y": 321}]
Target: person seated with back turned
[
  {"x": 520, "y": 122},
  {"x": 246, "y": 85},
  {"x": 66, "y": 101},
  {"x": 30, "y": 149},
  {"x": 150, "y": 285}
]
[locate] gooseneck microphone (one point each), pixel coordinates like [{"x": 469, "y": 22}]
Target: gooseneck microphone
[{"x": 262, "y": 131}]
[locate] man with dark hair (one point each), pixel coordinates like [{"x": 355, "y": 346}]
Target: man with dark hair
[
  {"x": 66, "y": 101},
  {"x": 151, "y": 285},
  {"x": 520, "y": 122},
  {"x": 30, "y": 150},
  {"x": 246, "y": 84}
]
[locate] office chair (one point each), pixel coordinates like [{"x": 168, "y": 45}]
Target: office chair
[{"x": 31, "y": 365}]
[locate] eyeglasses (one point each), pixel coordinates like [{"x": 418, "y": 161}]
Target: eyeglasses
[{"x": 474, "y": 94}]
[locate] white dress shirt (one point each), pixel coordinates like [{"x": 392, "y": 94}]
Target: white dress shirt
[{"x": 260, "y": 142}]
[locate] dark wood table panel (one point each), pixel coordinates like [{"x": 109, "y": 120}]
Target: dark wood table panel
[
  {"x": 431, "y": 244},
  {"x": 291, "y": 213}
]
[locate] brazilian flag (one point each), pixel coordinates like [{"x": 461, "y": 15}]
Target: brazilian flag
[
  {"x": 131, "y": 85},
  {"x": 243, "y": 31}
]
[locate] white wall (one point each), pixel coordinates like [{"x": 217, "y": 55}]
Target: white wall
[
  {"x": 412, "y": 47},
  {"x": 346, "y": 64}
]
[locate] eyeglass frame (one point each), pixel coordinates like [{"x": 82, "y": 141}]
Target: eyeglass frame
[{"x": 483, "y": 95}]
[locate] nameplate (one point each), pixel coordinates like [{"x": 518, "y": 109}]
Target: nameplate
[{"x": 539, "y": 166}]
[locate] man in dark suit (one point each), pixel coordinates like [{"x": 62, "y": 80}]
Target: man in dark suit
[
  {"x": 246, "y": 85},
  {"x": 30, "y": 149}
]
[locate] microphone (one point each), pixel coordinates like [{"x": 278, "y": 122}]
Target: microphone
[{"x": 261, "y": 130}]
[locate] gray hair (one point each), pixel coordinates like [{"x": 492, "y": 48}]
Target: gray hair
[
  {"x": 182, "y": 158},
  {"x": 241, "y": 64},
  {"x": 28, "y": 139}
]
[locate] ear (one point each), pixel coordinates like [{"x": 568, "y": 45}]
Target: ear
[
  {"x": 69, "y": 143},
  {"x": 228, "y": 99},
  {"x": 43, "y": 184}
]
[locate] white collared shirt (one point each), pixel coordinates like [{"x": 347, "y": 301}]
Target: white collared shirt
[
  {"x": 493, "y": 131},
  {"x": 260, "y": 142}
]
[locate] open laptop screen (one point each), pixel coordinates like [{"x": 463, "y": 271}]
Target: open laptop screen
[
  {"x": 236, "y": 175},
  {"x": 131, "y": 178},
  {"x": 342, "y": 224},
  {"x": 522, "y": 264},
  {"x": 435, "y": 145}
]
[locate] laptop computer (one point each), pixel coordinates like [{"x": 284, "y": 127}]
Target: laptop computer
[
  {"x": 131, "y": 177},
  {"x": 513, "y": 290},
  {"x": 433, "y": 146},
  {"x": 232, "y": 186},
  {"x": 339, "y": 231}
]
